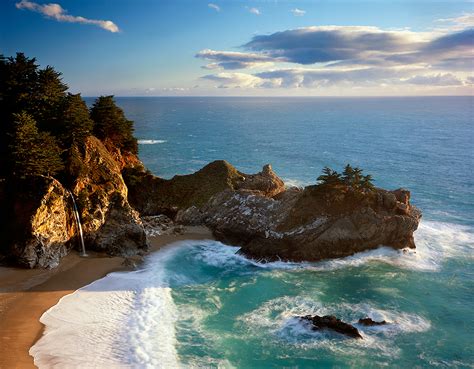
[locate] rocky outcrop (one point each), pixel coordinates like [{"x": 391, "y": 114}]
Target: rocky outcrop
[
  {"x": 330, "y": 322},
  {"x": 109, "y": 223},
  {"x": 368, "y": 322},
  {"x": 42, "y": 225},
  {"x": 308, "y": 225},
  {"x": 151, "y": 195}
]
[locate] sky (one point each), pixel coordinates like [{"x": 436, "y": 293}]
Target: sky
[{"x": 248, "y": 48}]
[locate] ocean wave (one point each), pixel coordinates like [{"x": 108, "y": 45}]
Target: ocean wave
[
  {"x": 289, "y": 182},
  {"x": 122, "y": 320},
  {"x": 279, "y": 318},
  {"x": 436, "y": 242},
  {"x": 151, "y": 142}
]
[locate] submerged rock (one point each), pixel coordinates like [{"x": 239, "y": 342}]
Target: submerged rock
[
  {"x": 332, "y": 323},
  {"x": 369, "y": 322}
]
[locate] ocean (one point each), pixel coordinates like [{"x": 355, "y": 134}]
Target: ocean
[{"x": 198, "y": 304}]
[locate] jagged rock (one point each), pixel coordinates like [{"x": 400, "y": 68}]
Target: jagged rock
[
  {"x": 110, "y": 224},
  {"x": 332, "y": 323},
  {"x": 308, "y": 225},
  {"x": 157, "y": 224},
  {"x": 151, "y": 195},
  {"x": 369, "y": 322},
  {"x": 42, "y": 224}
]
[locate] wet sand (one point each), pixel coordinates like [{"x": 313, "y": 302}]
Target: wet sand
[{"x": 26, "y": 294}]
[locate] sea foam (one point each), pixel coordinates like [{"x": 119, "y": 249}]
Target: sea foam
[
  {"x": 151, "y": 142},
  {"x": 122, "y": 320}
]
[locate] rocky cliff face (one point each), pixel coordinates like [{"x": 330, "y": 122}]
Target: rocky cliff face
[
  {"x": 152, "y": 195},
  {"x": 109, "y": 222},
  {"x": 311, "y": 224},
  {"x": 42, "y": 225},
  {"x": 43, "y": 228}
]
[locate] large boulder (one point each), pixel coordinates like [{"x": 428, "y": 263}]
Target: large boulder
[
  {"x": 311, "y": 224},
  {"x": 151, "y": 195},
  {"x": 109, "y": 223},
  {"x": 41, "y": 224}
]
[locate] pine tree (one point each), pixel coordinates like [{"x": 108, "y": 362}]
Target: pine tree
[
  {"x": 48, "y": 96},
  {"x": 76, "y": 123},
  {"x": 110, "y": 123},
  {"x": 33, "y": 153},
  {"x": 348, "y": 175},
  {"x": 366, "y": 183},
  {"x": 329, "y": 177}
]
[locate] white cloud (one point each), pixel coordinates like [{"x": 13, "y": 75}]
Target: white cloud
[
  {"x": 447, "y": 79},
  {"x": 233, "y": 59},
  {"x": 214, "y": 6},
  {"x": 254, "y": 11},
  {"x": 351, "y": 57},
  {"x": 461, "y": 22},
  {"x": 235, "y": 80},
  {"x": 55, "y": 11},
  {"x": 298, "y": 12}
]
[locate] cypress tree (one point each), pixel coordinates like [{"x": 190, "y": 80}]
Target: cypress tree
[
  {"x": 33, "y": 152},
  {"x": 76, "y": 122},
  {"x": 110, "y": 123}
]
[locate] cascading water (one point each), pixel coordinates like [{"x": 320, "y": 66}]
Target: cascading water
[{"x": 79, "y": 225}]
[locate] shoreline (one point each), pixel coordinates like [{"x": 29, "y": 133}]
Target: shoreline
[{"x": 25, "y": 294}]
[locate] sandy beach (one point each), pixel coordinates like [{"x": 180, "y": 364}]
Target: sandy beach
[{"x": 26, "y": 294}]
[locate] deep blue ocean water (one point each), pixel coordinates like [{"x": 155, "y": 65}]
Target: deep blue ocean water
[{"x": 201, "y": 305}]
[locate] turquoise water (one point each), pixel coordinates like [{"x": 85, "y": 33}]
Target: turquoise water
[{"x": 199, "y": 304}]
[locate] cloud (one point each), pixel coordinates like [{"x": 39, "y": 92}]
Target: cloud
[
  {"x": 322, "y": 78},
  {"x": 458, "y": 23},
  {"x": 55, "y": 11},
  {"x": 322, "y": 44},
  {"x": 349, "y": 56},
  {"x": 447, "y": 79},
  {"x": 214, "y": 6},
  {"x": 234, "y": 80},
  {"x": 232, "y": 59},
  {"x": 298, "y": 12},
  {"x": 254, "y": 11}
]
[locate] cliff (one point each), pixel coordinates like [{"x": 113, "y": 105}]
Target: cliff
[{"x": 41, "y": 228}]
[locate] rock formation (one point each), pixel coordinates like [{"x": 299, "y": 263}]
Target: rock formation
[
  {"x": 330, "y": 322},
  {"x": 42, "y": 228},
  {"x": 110, "y": 224},
  {"x": 308, "y": 225},
  {"x": 368, "y": 322},
  {"x": 40, "y": 225},
  {"x": 151, "y": 195}
]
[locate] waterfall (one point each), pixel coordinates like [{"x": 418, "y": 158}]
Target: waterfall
[{"x": 79, "y": 225}]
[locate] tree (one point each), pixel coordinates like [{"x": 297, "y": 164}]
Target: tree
[
  {"x": 76, "y": 122},
  {"x": 110, "y": 123},
  {"x": 47, "y": 98},
  {"x": 348, "y": 175},
  {"x": 33, "y": 152},
  {"x": 330, "y": 177},
  {"x": 366, "y": 183}
]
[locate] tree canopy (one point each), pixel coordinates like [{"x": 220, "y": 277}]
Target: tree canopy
[
  {"x": 33, "y": 153},
  {"x": 110, "y": 122},
  {"x": 351, "y": 177},
  {"x": 42, "y": 125}
]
